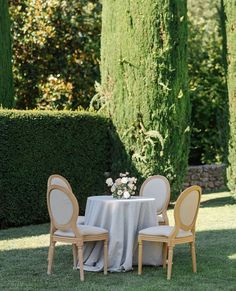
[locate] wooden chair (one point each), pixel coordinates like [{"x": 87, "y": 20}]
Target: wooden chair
[
  {"x": 158, "y": 187},
  {"x": 185, "y": 215},
  {"x": 63, "y": 210},
  {"x": 61, "y": 181}
]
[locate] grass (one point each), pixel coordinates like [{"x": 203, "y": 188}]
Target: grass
[{"x": 23, "y": 258}]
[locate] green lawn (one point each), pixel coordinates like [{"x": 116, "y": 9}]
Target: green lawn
[{"x": 23, "y": 258}]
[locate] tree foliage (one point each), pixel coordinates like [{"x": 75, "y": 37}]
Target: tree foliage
[
  {"x": 208, "y": 89},
  {"x": 56, "y": 52},
  {"x": 6, "y": 83},
  {"x": 230, "y": 10},
  {"x": 145, "y": 84}
]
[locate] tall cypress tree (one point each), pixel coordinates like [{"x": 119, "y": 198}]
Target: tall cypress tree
[
  {"x": 145, "y": 83},
  {"x": 6, "y": 79},
  {"x": 230, "y": 10}
]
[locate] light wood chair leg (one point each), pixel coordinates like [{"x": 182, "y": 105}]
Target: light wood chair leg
[
  {"x": 105, "y": 257},
  {"x": 164, "y": 255},
  {"x": 140, "y": 256},
  {"x": 170, "y": 259},
  {"x": 50, "y": 257},
  {"x": 75, "y": 256},
  {"x": 81, "y": 262},
  {"x": 193, "y": 252}
]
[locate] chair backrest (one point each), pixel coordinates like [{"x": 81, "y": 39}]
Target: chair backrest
[
  {"x": 186, "y": 208},
  {"x": 63, "y": 207},
  {"x": 157, "y": 187},
  {"x": 59, "y": 180}
]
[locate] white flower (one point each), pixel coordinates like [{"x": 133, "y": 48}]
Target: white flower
[
  {"x": 118, "y": 181},
  {"x": 119, "y": 192},
  {"x": 130, "y": 185},
  {"x": 122, "y": 187},
  {"x": 122, "y": 175},
  {"x": 124, "y": 180},
  {"x": 126, "y": 195},
  {"x": 109, "y": 182},
  {"x": 113, "y": 188}
]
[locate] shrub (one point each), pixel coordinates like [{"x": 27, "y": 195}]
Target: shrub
[
  {"x": 36, "y": 144},
  {"x": 59, "y": 39}
]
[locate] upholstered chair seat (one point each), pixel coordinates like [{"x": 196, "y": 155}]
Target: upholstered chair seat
[
  {"x": 164, "y": 230},
  {"x": 84, "y": 230}
]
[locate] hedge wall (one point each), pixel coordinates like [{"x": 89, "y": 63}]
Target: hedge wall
[{"x": 34, "y": 145}]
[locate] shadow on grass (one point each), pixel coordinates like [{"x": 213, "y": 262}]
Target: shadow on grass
[
  {"x": 217, "y": 202},
  {"x": 25, "y": 269},
  {"x": 25, "y": 231}
]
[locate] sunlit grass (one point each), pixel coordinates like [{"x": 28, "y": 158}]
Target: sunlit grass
[
  {"x": 30, "y": 242},
  {"x": 23, "y": 258}
]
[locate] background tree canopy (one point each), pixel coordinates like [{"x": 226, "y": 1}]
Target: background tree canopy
[
  {"x": 208, "y": 89},
  {"x": 6, "y": 82},
  {"x": 56, "y": 52}
]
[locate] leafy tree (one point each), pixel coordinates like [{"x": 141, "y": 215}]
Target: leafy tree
[
  {"x": 230, "y": 10},
  {"x": 144, "y": 85},
  {"x": 208, "y": 88},
  {"x": 6, "y": 84},
  {"x": 56, "y": 51}
]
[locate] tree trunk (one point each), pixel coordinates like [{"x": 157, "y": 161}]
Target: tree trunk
[
  {"x": 6, "y": 79},
  {"x": 230, "y": 10},
  {"x": 145, "y": 83}
]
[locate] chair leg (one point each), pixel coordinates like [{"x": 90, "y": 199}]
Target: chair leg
[
  {"x": 105, "y": 257},
  {"x": 140, "y": 256},
  {"x": 81, "y": 261},
  {"x": 50, "y": 257},
  {"x": 170, "y": 259},
  {"x": 164, "y": 255},
  {"x": 75, "y": 256},
  {"x": 193, "y": 252}
]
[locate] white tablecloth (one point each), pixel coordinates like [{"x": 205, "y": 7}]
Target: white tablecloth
[{"x": 123, "y": 219}]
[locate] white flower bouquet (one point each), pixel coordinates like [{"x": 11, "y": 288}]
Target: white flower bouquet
[{"x": 123, "y": 187}]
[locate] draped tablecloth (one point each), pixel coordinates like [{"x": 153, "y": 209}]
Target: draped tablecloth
[{"x": 123, "y": 218}]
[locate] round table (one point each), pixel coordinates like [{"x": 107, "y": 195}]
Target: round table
[{"x": 123, "y": 218}]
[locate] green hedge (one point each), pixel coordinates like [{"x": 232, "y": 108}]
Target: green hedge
[{"x": 34, "y": 145}]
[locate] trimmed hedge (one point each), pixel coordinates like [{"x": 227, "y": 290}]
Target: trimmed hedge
[{"x": 36, "y": 144}]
